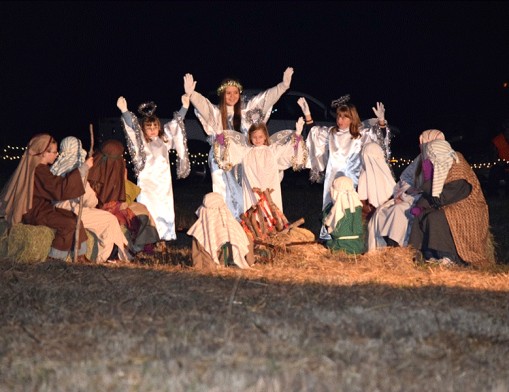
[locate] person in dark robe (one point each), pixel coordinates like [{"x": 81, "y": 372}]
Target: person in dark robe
[
  {"x": 451, "y": 217},
  {"x": 108, "y": 178},
  {"x": 29, "y": 194}
]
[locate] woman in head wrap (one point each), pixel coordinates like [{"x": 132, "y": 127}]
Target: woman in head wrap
[
  {"x": 451, "y": 217},
  {"x": 343, "y": 218},
  {"x": 390, "y": 224},
  {"x": 215, "y": 231},
  {"x": 102, "y": 223},
  {"x": 108, "y": 178},
  {"x": 29, "y": 194}
]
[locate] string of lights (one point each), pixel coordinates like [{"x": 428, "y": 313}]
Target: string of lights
[{"x": 14, "y": 153}]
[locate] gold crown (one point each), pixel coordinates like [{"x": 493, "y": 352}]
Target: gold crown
[{"x": 221, "y": 88}]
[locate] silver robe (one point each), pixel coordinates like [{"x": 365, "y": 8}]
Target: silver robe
[{"x": 152, "y": 168}]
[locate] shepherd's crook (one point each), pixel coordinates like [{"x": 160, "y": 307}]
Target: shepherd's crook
[{"x": 80, "y": 209}]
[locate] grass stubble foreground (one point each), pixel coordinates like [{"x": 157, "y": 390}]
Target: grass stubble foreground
[{"x": 307, "y": 321}]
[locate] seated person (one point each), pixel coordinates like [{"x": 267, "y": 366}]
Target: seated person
[
  {"x": 108, "y": 180},
  {"x": 218, "y": 238},
  {"x": 29, "y": 194},
  {"x": 102, "y": 224},
  {"x": 451, "y": 217},
  {"x": 343, "y": 218}
]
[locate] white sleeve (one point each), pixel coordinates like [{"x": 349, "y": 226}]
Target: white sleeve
[{"x": 175, "y": 131}]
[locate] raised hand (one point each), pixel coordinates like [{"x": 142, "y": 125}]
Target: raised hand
[
  {"x": 189, "y": 84},
  {"x": 380, "y": 113},
  {"x": 304, "y": 106},
  {"x": 287, "y": 77},
  {"x": 122, "y": 104}
]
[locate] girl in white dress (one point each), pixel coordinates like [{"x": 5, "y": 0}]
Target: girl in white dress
[
  {"x": 232, "y": 113},
  {"x": 149, "y": 144},
  {"x": 262, "y": 158}
]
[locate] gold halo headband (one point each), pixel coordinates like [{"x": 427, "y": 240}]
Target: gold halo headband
[{"x": 228, "y": 83}]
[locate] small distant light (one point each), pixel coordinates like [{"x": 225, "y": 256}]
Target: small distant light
[{"x": 505, "y": 84}]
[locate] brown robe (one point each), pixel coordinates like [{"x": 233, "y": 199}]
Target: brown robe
[
  {"x": 49, "y": 188},
  {"x": 468, "y": 219}
]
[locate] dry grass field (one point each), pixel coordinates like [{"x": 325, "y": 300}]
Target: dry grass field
[{"x": 307, "y": 321}]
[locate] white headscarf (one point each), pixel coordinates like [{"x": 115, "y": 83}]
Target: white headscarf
[
  {"x": 216, "y": 226},
  {"x": 344, "y": 198},
  {"x": 376, "y": 183},
  {"x": 70, "y": 156},
  {"x": 442, "y": 156}
]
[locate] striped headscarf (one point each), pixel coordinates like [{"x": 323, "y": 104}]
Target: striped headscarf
[
  {"x": 344, "y": 198},
  {"x": 442, "y": 156},
  {"x": 429, "y": 135},
  {"x": 70, "y": 156}
]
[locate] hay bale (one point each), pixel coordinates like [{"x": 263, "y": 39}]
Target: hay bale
[
  {"x": 4, "y": 237},
  {"x": 300, "y": 234},
  {"x": 29, "y": 243}
]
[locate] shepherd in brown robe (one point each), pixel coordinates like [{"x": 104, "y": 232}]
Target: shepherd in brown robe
[{"x": 28, "y": 196}]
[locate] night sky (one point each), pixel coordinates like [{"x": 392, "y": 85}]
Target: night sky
[{"x": 433, "y": 64}]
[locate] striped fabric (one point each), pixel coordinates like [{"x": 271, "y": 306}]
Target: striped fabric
[
  {"x": 70, "y": 156},
  {"x": 442, "y": 156}
]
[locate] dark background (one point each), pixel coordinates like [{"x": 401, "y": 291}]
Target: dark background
[{"x": 433, "y": 64}]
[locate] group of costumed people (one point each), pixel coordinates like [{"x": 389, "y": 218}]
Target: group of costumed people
[{"x": 437, "y": 205}]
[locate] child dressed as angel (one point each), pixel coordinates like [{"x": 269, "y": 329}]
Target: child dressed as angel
[{"x": 263, "y": 158}]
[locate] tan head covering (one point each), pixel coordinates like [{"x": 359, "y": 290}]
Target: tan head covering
[
  {"x": 216, "y": 226},
  {"x": 16, "y": 196},
  {"x": 376, "y": 183},
  {"x": 107, "y": 176},
  {"x": 429, "y": 135},
  {"x": 344, "y": 198},
  {"x": 442, "y": 156}
]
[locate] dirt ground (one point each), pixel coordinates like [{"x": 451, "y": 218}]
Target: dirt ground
[{"x": 307, "y": 321}]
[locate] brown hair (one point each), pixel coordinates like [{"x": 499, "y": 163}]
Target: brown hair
[
  {"x": 149, "y": 120},
  {"x": 258, "y": 127},
  {"x": 237, "y": 115},
  {"x": 350, "y": 111}
]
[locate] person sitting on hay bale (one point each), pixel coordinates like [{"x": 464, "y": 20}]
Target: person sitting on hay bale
[
  {"x": 116, "y": 194},
  {"x": 343, "y": 218},
  {"x": 103, "y": 224},
  {"x": 218, "y": 238},
  {"x": 29, "y": 194},
  {"x": 451, "y": 217}
]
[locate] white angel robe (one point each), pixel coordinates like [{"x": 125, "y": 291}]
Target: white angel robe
[
  {"x": 102, "y": 223},
  {"x": 152, "y": 167},
  {"x": 261, "y": 165},
  {"x": 209, "y": 115}
]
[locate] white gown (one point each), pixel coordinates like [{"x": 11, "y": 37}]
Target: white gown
[
  {"x": 392, "y": 219},
  {"x": 152, "y": 167},
  {"x": 261, "y": 165},
  {"x": 224, "y": 182},
  {"x": 102, "y": 223}
]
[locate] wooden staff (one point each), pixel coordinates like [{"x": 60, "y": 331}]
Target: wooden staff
[{"x": 80, "y": 209}]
